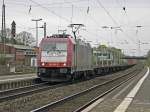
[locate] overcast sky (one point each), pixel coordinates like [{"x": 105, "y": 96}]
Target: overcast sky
[{"x": 94, "y": 14}]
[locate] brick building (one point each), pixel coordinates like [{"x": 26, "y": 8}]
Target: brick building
[{"x": 18, "y": 54}]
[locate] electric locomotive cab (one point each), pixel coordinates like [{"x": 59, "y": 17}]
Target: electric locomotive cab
[{"x": 53, "y": 58}]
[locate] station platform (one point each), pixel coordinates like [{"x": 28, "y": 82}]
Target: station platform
[
  {"x": 132, "y": 96},
  {"x": 17, "y": 77}
]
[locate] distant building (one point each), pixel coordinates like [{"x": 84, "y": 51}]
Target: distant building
[{"x": 19, "y": 54}]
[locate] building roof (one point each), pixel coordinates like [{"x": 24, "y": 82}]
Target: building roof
[{"x": 23, "y": 47}]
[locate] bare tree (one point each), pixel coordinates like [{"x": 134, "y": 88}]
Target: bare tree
[{"x": 25, "y": 38}]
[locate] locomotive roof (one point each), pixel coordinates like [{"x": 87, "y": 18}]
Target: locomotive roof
[
  {"x": 63, "y": 37},
  {"x": 60, "y": 36}
]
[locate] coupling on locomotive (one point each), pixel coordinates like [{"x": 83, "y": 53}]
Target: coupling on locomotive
[{"x": 63, "y": 58}]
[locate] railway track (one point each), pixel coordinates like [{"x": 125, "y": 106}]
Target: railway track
[
  {"x": 28, "y": 99},
  {"x": 27, "y": 90},
  {"x": 78, "y": 101},
  {"x": 11, "y": 94}
]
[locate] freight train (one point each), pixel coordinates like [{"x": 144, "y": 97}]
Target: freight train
[{"x": 63, "y": 58}]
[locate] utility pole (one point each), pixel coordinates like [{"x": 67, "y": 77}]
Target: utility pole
[
  {"x": 3, "y": 31},
  {"x": 36, "y": 20},
  {"x": 139, "y": 46},
  {"x": 139, "y": 42},
  {"x": 44, "y": 27},
  {"x": 105, "y": 28}
]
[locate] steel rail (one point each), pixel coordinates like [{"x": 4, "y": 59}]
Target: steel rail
[
  {"x": 25, "y": 91},
  {"x": 102, "y": 95},
  {"x": 46, "y": 107},
  {"x": 10, "y": 91}
]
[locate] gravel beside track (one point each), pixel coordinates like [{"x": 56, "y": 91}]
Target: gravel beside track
[{"x": 30, "y": 102}]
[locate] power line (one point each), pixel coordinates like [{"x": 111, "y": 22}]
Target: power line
[
  {"x": 46, "y": 4},
  {"x": 86, "y": 15},
  {"x": 66, "y": 2},
  {"x": 50, "y": 11},
  {"x": 67, "y": 19},
  {"x": 74, "y": 6},
  {"x": 107, "y": 12},
  {"x": 124, "y": 8},
  {"x": 115, "y": 22}
]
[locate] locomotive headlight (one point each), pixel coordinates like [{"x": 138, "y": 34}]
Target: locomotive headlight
[
  {"x": 64, "y": 64},
  {"x": 43, "y": 64}
]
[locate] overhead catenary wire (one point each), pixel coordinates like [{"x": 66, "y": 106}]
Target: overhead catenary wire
[
  {"x": 52, "y": 12},
  {"x": 36, "y": 4},
  {"x": 91, "y": 18},
  {"x": 111, "y": 17},
  {"x": 114, "y": 21},
  {"x": 21, "y": 3},
  {"x": 67, "y": 20},
  {"x": 87, "y": 15},
  {"x": 60, "y": 17},
  {"x": 39, "y": 5},
  {"x": 70, "y": 2},
  {"x": 124, "y": 9}
]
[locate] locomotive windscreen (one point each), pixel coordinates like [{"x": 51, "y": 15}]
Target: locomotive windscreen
[{"x": 54, "y": 52}]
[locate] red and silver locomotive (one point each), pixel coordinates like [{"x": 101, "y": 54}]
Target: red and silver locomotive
[{"x": 63, "y": 58}]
